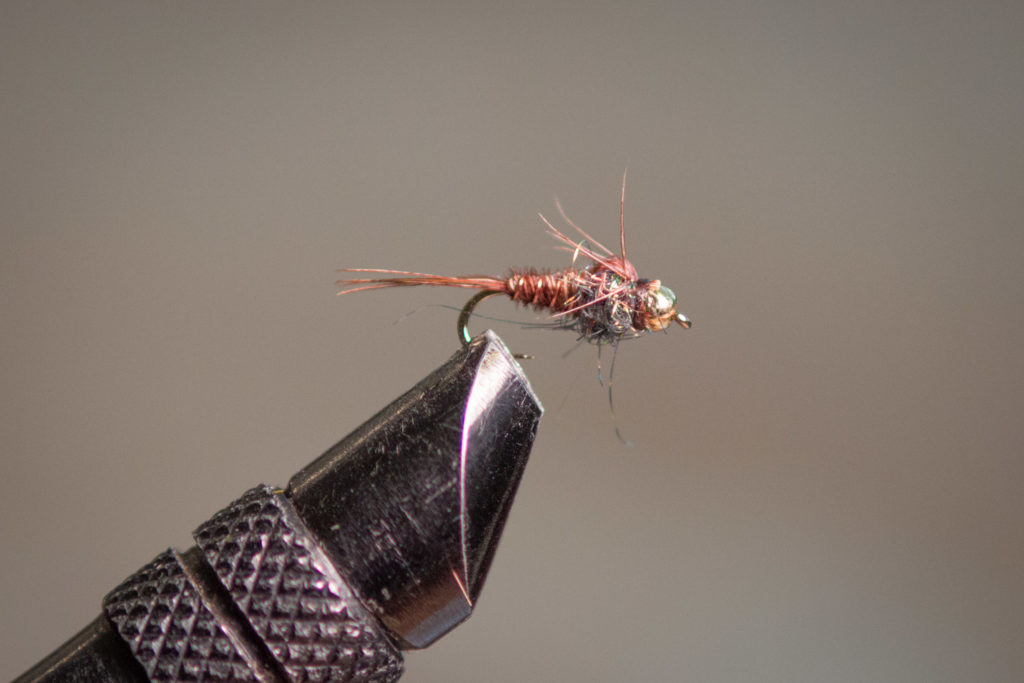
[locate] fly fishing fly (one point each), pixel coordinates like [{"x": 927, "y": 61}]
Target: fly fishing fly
[{"x": 603, "y": 302}]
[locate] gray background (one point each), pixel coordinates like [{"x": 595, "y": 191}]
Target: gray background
[{"x": 827, "y": 471}]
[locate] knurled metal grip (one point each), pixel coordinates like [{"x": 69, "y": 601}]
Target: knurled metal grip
[
  {"x": 292, "y": 595},
  {"x": 271, "y": 608},
  {"x": 171, "y": 632}
]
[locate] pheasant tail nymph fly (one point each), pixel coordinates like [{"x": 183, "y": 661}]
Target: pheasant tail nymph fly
[{"x": 604, "y": 302}]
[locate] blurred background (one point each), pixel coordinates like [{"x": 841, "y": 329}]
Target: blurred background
[{"x": 826, "y": 472}]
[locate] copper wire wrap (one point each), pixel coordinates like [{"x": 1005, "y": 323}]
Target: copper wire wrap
[{"x": 541, "y": 289}]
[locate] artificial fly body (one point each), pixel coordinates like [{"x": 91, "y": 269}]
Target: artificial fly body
[{"x": 603, "y": 303}]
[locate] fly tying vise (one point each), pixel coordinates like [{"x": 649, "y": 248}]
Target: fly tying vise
[{"x": 604, "y": 302}]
